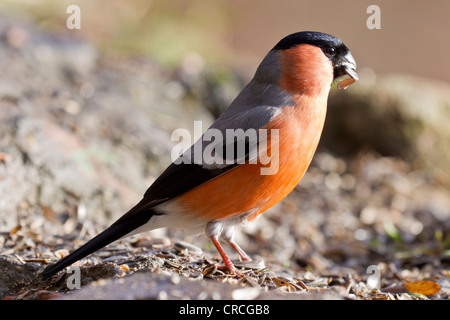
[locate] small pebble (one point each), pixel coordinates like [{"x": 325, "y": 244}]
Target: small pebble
[
  {"x": 182, "y": 246},
  {"x": 245, "y": 294},
  {"x": 255, "y": 265}
]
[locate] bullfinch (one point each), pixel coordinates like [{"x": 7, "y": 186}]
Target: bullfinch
[{"x": 269, "y": 135}]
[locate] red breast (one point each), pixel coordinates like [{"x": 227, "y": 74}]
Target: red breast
[{"x": 307, "y": 75}]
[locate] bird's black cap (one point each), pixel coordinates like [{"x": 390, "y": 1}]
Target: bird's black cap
[
  {"x": 318, "y": 39},
  {"x": 340, "y": 56}
]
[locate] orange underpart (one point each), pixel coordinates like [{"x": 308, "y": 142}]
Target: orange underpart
[
  {"x": 244, "y": 188},
  {"x": 306, "y": 70}
]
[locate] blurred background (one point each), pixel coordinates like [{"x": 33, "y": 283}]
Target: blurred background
[
  {"x": 87, "y": 115},
  {"x": 413, "y": 35}
]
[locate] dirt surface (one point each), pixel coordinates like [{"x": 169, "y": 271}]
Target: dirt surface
[{"x": 83, "y": 135}]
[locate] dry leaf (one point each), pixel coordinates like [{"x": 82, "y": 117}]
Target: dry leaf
[
  {"x": 427, "y": 288},
  {"x": 61, "y": 253},
  {"x": 15, "y": 229},
  {"x": 4, "y": 157},
  {"x": 49, "y": 213},
  {"x": 285, "y": 283}
]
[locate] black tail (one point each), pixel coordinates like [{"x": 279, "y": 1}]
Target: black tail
[{"x": 116, "y": 231}]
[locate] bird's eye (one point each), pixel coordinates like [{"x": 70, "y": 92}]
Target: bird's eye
[{"x": 330, "y": 51}]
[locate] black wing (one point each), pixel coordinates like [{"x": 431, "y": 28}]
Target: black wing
[{"x": 179, "y": 178}]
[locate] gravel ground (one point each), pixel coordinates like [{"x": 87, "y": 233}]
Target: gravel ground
[
  {"x": 81, "y": 138},
  {"x": 306, "y": 247}
]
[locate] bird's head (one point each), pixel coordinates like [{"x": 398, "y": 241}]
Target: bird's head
[{"x": 311, "y": 61}]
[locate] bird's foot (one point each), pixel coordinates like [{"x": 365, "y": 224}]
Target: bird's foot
[{"x": 231, "y": 269}]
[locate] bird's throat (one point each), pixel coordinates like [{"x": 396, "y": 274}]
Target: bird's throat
[{"x": 306, "y": 71}]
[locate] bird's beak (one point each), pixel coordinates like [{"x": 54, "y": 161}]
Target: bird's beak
[{"x": 345, "y": 69}]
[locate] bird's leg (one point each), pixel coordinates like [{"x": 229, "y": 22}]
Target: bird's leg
[
  {"x": 228, "y": 236},
  {"x": 228, "y": 264},
  {"x": 213, "y": 231},
  {"x": 244, "y": 256}
]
